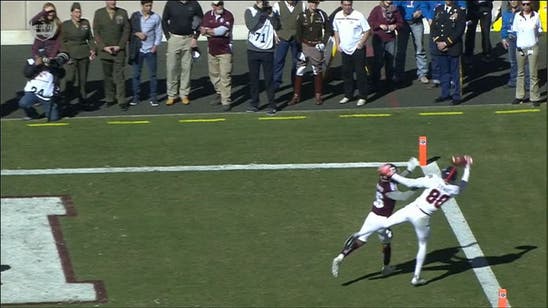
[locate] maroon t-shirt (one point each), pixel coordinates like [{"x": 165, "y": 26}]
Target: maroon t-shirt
[
  {"x": 383, "y": 205},
  {"x": 219, "y": 45}
]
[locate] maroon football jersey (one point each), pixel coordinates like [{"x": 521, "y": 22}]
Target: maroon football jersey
[{"x": 383, "y": 205}]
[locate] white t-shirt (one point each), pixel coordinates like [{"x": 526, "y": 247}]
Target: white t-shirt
[
  {"x": 350, "y": 29},
  {"x": 436, "y": 192},
  {"x": 527, "y": 29}
]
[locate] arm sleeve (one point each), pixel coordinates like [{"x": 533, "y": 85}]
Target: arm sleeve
[
  {"x": 253, "y": 22},
  {"x": 158, "y": 33},
  {"x": 36, "y": 19},
  {"x": 125, "y": 33},
  {"x": 165, "y": 18},
  {"x": 400, "y": 195},
  {"x": 408, "y": 182},
  {"x": 97, "y": 32}
]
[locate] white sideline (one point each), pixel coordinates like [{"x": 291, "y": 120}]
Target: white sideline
[
  {"x": 452, "y": 212},
  {"x": 194, "y": 168},
  {"x": 469, "y": 244}
]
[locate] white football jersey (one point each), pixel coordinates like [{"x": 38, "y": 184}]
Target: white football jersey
[
  {"x": 42, "y": 85},
  {"x": 262, "y": 38},
  {"x": 436, "y": 192}
]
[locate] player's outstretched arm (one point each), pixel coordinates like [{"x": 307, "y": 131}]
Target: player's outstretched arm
[{"x": 466, "y": 172}]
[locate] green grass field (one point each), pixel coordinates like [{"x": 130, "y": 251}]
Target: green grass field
[{"x": 267, "y": 238}]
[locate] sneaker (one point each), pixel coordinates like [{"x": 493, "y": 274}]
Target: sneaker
[
  {"x": 170, "y": 101},
  {"x": 424, "y": 80},
  {"x": 417, "y": 281},
  {"x": 252, "y": 109},
  {"x": 361, "y": 102},
  {"x": 227, "y": 107},
  {"x": 134, "y": 103},
  {"x": 27, "y": 118},
  {"x": 536, "y": 103},
  {"x": 154, "y": 104},
  {"x": 335, "y": 265},
  {"x": 387, "y": 270},
  {"x": 517, "y": 101},
  {"x": 185, "y": 100},
  {"x": 435, "y": 83},
  {"x": 344, "y": 100},
  {"x": 271, "y": 112}
]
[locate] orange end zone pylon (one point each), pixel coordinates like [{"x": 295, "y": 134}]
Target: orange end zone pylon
[{"x": 423, "y": 151}]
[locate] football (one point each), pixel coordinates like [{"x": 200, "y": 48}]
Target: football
[{"x": 461, "y": 160}]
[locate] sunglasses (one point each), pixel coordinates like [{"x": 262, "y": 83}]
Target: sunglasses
[{"x": 524, "y": 3}]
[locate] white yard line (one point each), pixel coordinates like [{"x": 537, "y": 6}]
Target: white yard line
[
  {"x": 452, "y": 212},
  {"x": 469, "y": 244}
]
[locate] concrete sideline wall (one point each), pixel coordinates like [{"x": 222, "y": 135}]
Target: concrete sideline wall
[{"x": 16, "y": 14}]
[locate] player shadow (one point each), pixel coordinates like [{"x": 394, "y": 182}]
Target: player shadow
[
  {"x": 451, "y": 263},
  {"x": 11, "y": 105}
]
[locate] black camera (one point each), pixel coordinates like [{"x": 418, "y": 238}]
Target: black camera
[
  {"x": 56, "y": 62},
  {"x": 267, "y": 7}
]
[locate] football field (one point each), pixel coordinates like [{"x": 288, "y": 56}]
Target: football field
[{"x": 241, "y": 210}]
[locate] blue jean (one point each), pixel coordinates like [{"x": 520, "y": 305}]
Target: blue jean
[
  {"x": 416, "y": 30},
  {"x": 50, "y": 107},
  {"x": 151, "y": 60},
  {"x": 279, "y": 61}
]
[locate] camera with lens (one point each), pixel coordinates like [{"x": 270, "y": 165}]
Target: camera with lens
[
  {"x": 56, "y": 62},
  {"x": 267, "y": 7}
]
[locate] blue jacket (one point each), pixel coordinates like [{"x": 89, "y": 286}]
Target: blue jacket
[
  {"x": 407, "y": 8},
  {"x": 507, "y": 20},
  {"x": 432, "y": 5}
]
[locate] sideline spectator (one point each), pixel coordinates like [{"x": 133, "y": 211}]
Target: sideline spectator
[
  {"x": 146, "y": 37},
  {"x": 181, "y": 22},
  {"x": 111, "y": 29},
  {"x": 217, "y": 26},
  {"x": 46, "y": 28},
  {"x": 313, "y": 29},
  {"x": 508, "y": 37},
  {"x": 78, "y": 41},
  {"x": 288, "y": 11},
  {"x": 351, "y": 33},
  {"x": 479, "y": 10},
  {"x": 447, "y": 30},
  {"x": 262, "y": 24},
  {"x": 385, "y": 21},
  {"x": 528, "y": 28},
  {"x": 434, "y": 63},
  {"x": 412, "y": 13}
]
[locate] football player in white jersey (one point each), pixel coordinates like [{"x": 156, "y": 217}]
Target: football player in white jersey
[{"x": 437, "y": 190}]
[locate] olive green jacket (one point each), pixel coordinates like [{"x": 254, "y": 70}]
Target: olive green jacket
[
  {"x": 77, "y": 40},
  {"x": 111, "y": 32}
]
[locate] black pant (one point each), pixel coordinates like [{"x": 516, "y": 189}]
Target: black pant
[
  {"x": 350, "y": 64},
  {"x": 483, "y": 15},
  {"x": 256, "y": 59}
]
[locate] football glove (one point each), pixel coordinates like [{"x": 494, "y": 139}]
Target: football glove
[
  {"x": 320, "y": 47},
  {"x": 412, "y": 163},
  {"x": 301, "y": 56}
]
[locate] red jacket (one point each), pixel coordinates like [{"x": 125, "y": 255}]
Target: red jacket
[{"x": 380, "y": 16}]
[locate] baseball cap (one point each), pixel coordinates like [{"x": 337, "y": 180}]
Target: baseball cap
[{"x": 217, "y": 3}]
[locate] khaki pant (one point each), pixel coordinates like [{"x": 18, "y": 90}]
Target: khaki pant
[
  {"x": 179, "y": 63},
  {"x": 534, "y": 94},
  {"x": 220, "y": 74}
]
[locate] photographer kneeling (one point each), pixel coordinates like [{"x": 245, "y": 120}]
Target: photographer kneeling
[{"x": 42, "y": 88}]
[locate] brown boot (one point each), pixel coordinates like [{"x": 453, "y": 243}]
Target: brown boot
[
  {"x": 297, "y": 88},
  {"x": 318, "y": 84}
]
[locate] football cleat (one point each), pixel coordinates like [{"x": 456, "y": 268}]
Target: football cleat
[
  {"x": 387, "y": 270},
  {"x": 335, "y": 266},
  {"x": 417, "y": 281}
]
